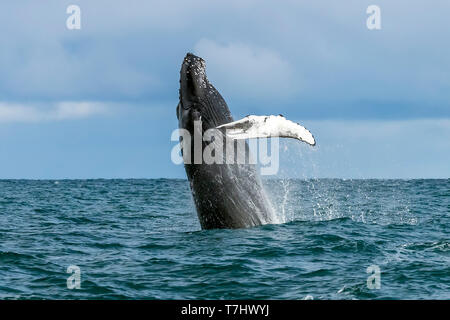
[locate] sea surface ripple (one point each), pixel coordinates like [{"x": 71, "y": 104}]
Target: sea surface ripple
[{"x": 140, "y": 239}]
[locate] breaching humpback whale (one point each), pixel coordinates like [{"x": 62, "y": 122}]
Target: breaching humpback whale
[{"x": 225, "y": 195}]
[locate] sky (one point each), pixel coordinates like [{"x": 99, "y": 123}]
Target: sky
[{"x": 99, "y": 102}]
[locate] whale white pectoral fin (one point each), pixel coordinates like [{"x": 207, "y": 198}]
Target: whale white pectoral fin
[{"x": 266, "y": 127}]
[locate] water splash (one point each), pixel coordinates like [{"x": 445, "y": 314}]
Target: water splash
[
  {"x": 364, "y": 201},
  {"x": 311, "y": 199}
]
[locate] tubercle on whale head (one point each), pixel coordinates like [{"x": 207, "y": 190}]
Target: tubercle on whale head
[
  {"x": 193, "y": 81},
  {"x": 199, "y": 100}
]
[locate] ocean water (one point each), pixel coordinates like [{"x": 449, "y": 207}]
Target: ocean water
[{"x": 140, "y": 239}]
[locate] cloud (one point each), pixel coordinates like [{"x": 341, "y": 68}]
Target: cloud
[
  {"x": 315, "y": 60},
  {"x": 58, "y": 111},
  {"x": 314, "y": 57},
  {"x": 249, "y": 71}
]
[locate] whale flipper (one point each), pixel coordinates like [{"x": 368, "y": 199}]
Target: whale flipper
[{"x": 266, "y": 127}]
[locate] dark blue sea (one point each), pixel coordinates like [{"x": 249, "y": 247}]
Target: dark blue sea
[{"x": 141, "y": 239}]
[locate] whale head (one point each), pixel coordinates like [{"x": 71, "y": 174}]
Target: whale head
[{"x": 199, "y": 100}]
